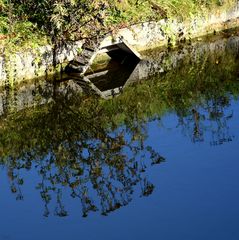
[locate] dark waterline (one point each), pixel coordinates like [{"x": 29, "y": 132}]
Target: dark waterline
[{"x": 158, "y": 162}]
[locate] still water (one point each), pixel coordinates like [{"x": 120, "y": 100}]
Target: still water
[{"x": 160, "y": 161}]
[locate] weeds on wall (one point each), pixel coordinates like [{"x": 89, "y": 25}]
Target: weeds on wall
[{"x": 25, "y": 23}]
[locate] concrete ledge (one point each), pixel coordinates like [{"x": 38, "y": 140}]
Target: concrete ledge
[
  {"x": 42, "y": 91},
  {"x": 149, "y": 35},
  {"x": 33, "y": 63}
]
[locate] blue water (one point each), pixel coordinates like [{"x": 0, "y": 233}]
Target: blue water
[
  {"x": 196, "y": 194},
  {"x": 161, "y": 161}
]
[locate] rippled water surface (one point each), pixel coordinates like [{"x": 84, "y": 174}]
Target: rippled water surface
[{"x": 160, "y": 161}]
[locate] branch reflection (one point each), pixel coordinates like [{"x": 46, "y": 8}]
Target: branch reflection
[
  {"x": 96, "y": 151},
  {"x": 81, "y": 151}
]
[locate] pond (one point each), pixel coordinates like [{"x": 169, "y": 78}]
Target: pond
[{"x": 159, "y": 161}]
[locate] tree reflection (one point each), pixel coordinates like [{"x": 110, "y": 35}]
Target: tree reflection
[
  {"x": 212, "y": 118},
  {"x": 79, "y": 150},
  {"x": 96, "y": 151},
  {"x": 201, "y": 95}
]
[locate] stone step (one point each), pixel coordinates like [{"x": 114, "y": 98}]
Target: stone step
[
  {"x": 81, "y": 60},
  {"x": 89, "y": 48},
  {"x": 87, "y": 54},
  {"x": 74, "y": 67}
]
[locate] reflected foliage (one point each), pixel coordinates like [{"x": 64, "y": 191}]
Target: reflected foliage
[
  {"x": 74, "y": 144},
  {"x": 96, "y": 151}
]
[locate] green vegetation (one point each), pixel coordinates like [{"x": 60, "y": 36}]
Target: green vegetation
[{"x": 24, "y": 22}]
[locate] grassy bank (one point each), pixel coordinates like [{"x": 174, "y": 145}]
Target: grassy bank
[{"x": 32, "y": 23}]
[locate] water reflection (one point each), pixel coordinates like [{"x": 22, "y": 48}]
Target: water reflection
[
  {"x": 96, "y": 151},
  {"x": 78, "y": 148},
  {"x": 107, "y": 80},
  {"x": 217, "y": 57},
  {"x": 213, "y": 117}
]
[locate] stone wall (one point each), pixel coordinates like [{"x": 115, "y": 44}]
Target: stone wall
[
  {"x": 39, "y": 62},
  {"x": 155, "y": 34},
  {"x": 41, "y": 91},
  {"x": 34, "y": 63}
]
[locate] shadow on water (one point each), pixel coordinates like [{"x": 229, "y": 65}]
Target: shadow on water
[{"x": 96, "y": 151}]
